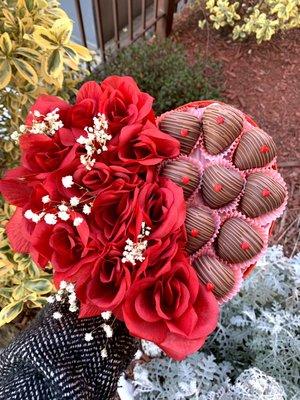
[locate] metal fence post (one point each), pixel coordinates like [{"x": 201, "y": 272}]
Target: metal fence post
[{"x": 164, "y": 25}]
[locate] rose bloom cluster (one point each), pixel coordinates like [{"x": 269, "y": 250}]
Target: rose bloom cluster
[{"x": 91, "y": 203}]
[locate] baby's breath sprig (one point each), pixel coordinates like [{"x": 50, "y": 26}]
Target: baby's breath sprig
[
  {"x": 133, "y": 252},
  {"x": 42, "y": 124},
  {"x": 95, "y": 141},
  {"x": 66, "y": 293}
]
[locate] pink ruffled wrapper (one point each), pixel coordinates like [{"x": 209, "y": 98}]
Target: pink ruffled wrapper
[
  {"x": 234, "y": 204},
  {"x": 238, "y": 275},
  {"x": 267, "y": 219},
  {"x": 262, "y": 231}
]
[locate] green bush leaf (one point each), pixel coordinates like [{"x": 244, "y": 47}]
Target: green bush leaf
[
  {"x": 10, "y": 312},
  {"x": 5, "y": 43},
  {"x": 25, "y": 70},
  {"x": 54, "y": 63},
  {"x": 5, "y": 73},
  {"x": 40, "y": 286}
]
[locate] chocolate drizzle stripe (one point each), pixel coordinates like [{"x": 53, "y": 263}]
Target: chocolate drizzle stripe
[
  {"x": 234, "y": 232},
  {"x": 211, "y": 270},
  {"x": 175, "y": 122},
  {"x": 231, "y": 181},
  {"x": 248, "y": 153},
  {"x": 253, "y": 203},
  {"x": 178, "y": 169},
  {"x": 201, "y": 220},
  {"x": 217, "y": 137}
]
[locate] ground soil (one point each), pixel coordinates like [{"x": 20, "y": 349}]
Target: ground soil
[{"x": 264, "y": 81}]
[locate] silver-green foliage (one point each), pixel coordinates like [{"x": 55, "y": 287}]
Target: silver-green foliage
[{"x": 255, "y": 352}]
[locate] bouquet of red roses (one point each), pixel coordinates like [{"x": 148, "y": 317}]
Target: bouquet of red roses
[{"x": 153, "y": 223}]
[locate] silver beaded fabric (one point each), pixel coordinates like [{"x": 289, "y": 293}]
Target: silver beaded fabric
[{"x": 51, "y": 359}]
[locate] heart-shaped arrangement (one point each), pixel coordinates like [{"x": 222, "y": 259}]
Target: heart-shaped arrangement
[
  {"x": 155, "y": 223},
  {"x": 237, "y": 195}
]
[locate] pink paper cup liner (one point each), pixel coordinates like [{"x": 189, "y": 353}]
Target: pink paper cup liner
[
  {"x": 237, "y": 273},
  {"x": 265, "y": 219},
  {"x": 232, "y": 206},
  {"x": 263, "y": 233}
]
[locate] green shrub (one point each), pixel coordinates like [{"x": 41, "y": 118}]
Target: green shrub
[
  {"x": 258, "y": 18},
  {"x": 161, "y": 68}
]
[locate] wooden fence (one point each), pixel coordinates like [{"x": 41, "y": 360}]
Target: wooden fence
[{"x": 108, "y": 25}]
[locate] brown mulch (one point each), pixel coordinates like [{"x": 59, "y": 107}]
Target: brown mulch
[{"x": 264, "y": 81}]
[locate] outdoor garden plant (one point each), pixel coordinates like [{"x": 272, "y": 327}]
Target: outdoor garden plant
[
  {"x": 243, "y": 19},
  {"x": 36, "y": 56}
]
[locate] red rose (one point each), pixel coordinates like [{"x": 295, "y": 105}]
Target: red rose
[
  {"x": 46, "y": 104},
  {"x": 123, "y": 103},
  {"x": 145, "y": 145},
  {"x": 113, "y": 211},
  {"x": 103, "y": 176},
  {"x": 106, "y": 285},
  {"x": 173, "y": 310},
  {"x": 62, "y": 244},
  {"x": 41, "y": 153},
  {"x": 161, "y": 205}
]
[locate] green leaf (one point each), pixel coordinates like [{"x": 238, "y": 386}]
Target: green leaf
[
  {"x": 40, "y": 286},
  {"x": 71, "y": 54},
  {"x": 25, "y": 70},
  {"x": 5, "y": 73},
  {"x": 44, "y": 38},
  {"x": 54, "y": 63},
  {"x": 10, "y": 312},
  {"x": 5, "y": 43},
  {"x": 29, "y": 5},
  {"x": 27, "y": 53}
]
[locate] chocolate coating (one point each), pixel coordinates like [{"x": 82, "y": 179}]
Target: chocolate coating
[
  {"x": 200, "y": 227},
  {"x": 220, "y": 185},
  {"x": 256, "y": 149},
  {"x": 211, "y": 270},
  {"x": 184, "y": 127},
  {"x": 238, "y": 241},
  {"x": 262, "y": 195},
  {"x": 184, "y": 173},
  {"x": 222, "y": 124}
]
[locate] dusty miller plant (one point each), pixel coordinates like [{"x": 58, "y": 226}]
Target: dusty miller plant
[{"x": 253, "y": 355}]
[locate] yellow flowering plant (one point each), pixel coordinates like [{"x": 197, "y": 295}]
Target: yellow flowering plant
[
  {"x": 261, "y": 19},
  {"x": 22, "y": 284},
  {"x": 36, "y": 56}
]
